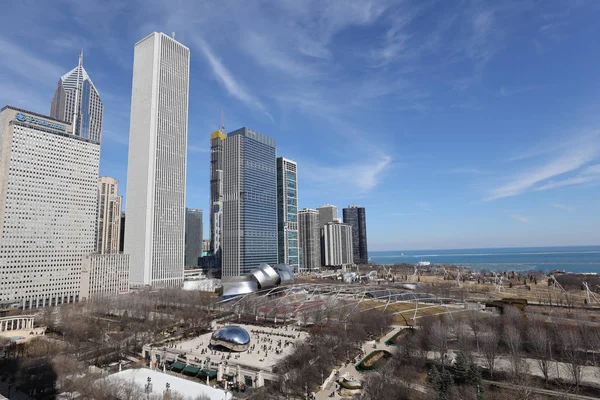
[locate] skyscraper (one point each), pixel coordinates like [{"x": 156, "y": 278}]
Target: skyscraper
[
  {"x": 193, "y": 236},
  {"x": 310, "y": 239},
  {"x": 356, "y": 216},
  {"x": 77, "y": 102},
  {"x": 287, "y": 213},
  {"x": 249, "y": 234},
  {"x": 155, "y": 229},
  {"x": 217, "y": 139},
  {"x": 337, "y": 244},
  {"x": 48, "y": 186},
  {"x": 108, "y": 225},
  {"x": 327, "y": 213}
]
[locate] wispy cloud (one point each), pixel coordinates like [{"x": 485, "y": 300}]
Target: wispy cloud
[
  {"x": 357, "y": 178},
  {"x": 576, "y": 155},
  {"x": 464, "y": 170},
  {"x": 123, "y": 140},
  {"x": 30, "y": 66},
  {"x": 563, "y": 207},
  {"x": 424, "y": 206},
  {"x": 193, "y": 148},
  {"x": 511, "y": 91},
  {"x": 521, "y": 218},
  {"x": 403, "y": 214},
  {"x": 589, "y": 174},
  {"x": 224, "y": 76}
]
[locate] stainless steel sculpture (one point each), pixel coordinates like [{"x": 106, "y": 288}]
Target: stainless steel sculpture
[
  {"x": 234, "y": 338},
  {"x": 263, "y": 277}
]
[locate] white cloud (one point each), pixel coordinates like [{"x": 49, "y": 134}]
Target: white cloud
[
  {"x": 563, "y": 207},
  {"x": 194, "y": 148},
  {"x": 116, "y": 138},
  {"x": 577, "y": 154},
  {"x": 225, "y": 77},
  {"x": 29, "y": 67},
  {"x": 465, "y": 170},
  {"x": 521, "y": 218},
  {"x": 511, "y": 91},
  {"x": 357, "y": 178}
]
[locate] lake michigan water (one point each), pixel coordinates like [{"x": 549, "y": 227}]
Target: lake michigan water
[{"x": 570, "y": 259}]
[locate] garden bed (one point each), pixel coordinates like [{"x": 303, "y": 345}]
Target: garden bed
[
  {"x": 374, "y": 361},
  {"x": 399, "y": 337}
]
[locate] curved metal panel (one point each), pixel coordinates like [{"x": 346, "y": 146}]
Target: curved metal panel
[
  {"x": 234, "y": 338},
  {"x": 285, "y": 272},
  {"x": 236, "y": 287},
  {"x": 266, "y": 276}
]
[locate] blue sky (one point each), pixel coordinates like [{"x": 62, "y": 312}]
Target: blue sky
[{"x": 457, "y": 124}]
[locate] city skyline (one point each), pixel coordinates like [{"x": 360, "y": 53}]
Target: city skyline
[{"x": 475, "y": 154}]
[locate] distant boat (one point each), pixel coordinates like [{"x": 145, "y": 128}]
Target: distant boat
[
  {"x": 401, "y": 254},
  {"x": 423, "y": 264}
]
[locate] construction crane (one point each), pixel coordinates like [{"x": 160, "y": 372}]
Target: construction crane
[
  {"x": 590, "y": 293},
  {"x": 458, "y": 278},
  {"x": 498, "y": 281}
]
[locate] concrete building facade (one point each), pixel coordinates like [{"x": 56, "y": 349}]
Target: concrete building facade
[
  {"x": 104, "y": 275},
  {"x": 77, "y": 102},
  {"x": 48, "y": 199},
  {"x": 327, "y": 213},
  {"x": 249, "y": 235},
  {"x": 337, "y": 244},
  {"x": 193, "y": 237},
  {"x": 287, "y": 213},
  {"x": 108, "y": 225},
  {"x": 310, "y": 239},
  {"x": 357, "y": 217},
  {"x": 156, "y": 172}
]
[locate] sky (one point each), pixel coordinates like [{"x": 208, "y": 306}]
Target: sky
[{"x": 456, "y": 124}]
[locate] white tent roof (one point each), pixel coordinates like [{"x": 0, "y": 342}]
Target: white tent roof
[{"x": 159, "y": 383}]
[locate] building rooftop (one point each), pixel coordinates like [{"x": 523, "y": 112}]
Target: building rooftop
[{"x": 159, "y": 381}]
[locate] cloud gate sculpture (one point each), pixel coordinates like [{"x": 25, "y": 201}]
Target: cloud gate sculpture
[
  {"x": 234, "y": 338},
  {"x": 263, "y": 277}
]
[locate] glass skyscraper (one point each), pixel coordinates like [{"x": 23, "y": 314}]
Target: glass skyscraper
[
  {"x": 357, "y": 217},
  {"x": 77, "y": 102},
  {"x": 249, "y": 234},
  {"x": 217, "y": 139},
  {"x": 287, "y": 213},
  {"x": 193, "y": 237}
]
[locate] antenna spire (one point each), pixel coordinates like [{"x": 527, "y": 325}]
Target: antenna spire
[
  {"x": 81, "y": 58},
  {"x": 173, "y": 35},
  {"x": 222, "y": 121}
]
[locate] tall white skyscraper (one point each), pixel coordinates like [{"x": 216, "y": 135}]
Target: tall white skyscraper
[
  {"x": 48, "y": 188},
  {"x": 108, "y": 226},
  {"x": 337, "y": 244},
  {"x": 156, "y": 174},
  {"x": 77, "y": 102}
]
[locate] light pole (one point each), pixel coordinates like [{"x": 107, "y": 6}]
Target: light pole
[
  {"x": 168, "y": 391},
  {"x": 148, "y": 387}
]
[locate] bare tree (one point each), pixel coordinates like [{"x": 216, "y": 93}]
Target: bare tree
[
  {"x": 490, "y": 346},
  {"x": 475, "y": 321},
  {"x": 541, "y": 342},
  {"x": 514, "y": 342},
  {"x": 571, "y": 343},
  {"x": 439, "y": 337}
]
